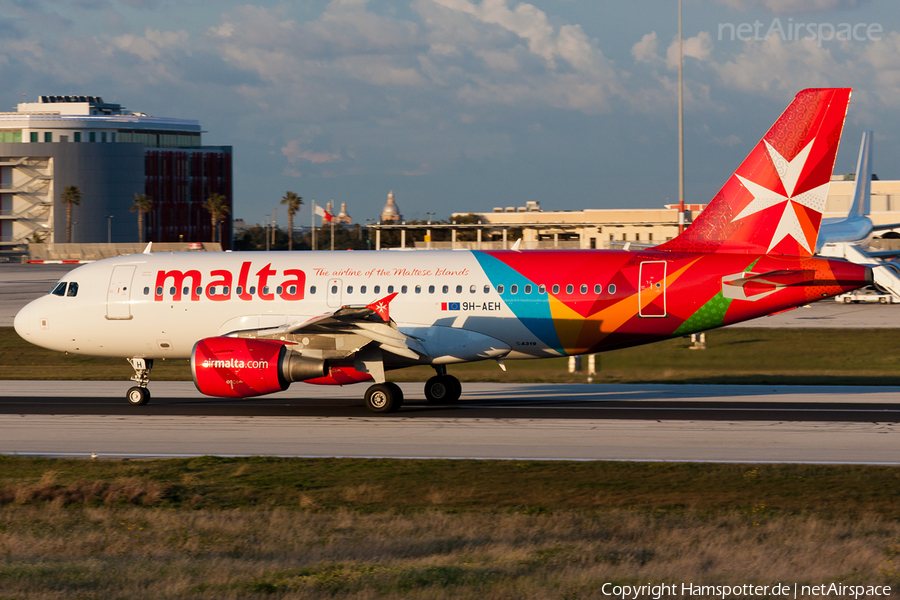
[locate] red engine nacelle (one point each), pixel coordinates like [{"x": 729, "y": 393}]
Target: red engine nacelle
[{"x": 244, "y": 367}]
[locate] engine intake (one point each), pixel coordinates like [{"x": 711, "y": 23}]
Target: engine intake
[{"x": 245, "y": 367}]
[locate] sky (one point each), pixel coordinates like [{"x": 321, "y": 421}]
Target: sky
[{"x": 465, "y": 105}]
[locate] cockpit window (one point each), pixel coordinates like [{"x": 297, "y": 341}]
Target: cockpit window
[
  {"x": 73, "y": 289},
  {"x": 60, "y": 289}
]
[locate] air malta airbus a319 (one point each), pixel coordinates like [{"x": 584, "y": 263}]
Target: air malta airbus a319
[{"x": 252, "y": 323}]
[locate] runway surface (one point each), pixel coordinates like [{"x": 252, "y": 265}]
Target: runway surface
[{"x": 530, "y": 421}]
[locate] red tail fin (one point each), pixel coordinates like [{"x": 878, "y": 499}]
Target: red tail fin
[{"x": 773, "y": 203}]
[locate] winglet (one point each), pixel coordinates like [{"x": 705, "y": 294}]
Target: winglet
[
  {"x": 516, "y": 245},
  {"x": 147, "y": 249},
  {"x": 381, "y": 307}
]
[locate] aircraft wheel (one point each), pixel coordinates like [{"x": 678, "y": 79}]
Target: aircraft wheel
[
  {"x": 442, "y": 389},
  {"x": 883, "y": 300},
  {"x": 138, "y": 396},
  {"x": 398, "y": 395},
  {"x": 847, "y": 300},
  {"x": 384, "y": 397},
  {"x": 457, "y": 387}
]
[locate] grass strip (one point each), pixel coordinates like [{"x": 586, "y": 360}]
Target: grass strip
[
  {"x": 325, "y": 528},
  {"x": 771, "y": 356},
  {"x": 531, "y": 487}
]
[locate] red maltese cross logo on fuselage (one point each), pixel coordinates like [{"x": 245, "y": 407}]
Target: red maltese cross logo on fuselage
[{"x": 793, "y": 219}]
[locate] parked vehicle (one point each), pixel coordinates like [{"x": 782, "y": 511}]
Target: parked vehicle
[{"x": 865, "y": 295}]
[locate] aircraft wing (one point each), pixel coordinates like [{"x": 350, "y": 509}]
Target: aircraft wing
[{"x": 371, "y": 322}]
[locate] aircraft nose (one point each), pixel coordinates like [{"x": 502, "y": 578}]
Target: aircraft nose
[{"x": 27, "y": 321}]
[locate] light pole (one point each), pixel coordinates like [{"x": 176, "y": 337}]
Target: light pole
[
  {"x": 109, "y": 229},
  {"x": 266, "y": 231}
]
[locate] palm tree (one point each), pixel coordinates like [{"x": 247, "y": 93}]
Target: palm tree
[
  {"x": 293, "y": 202},
  {"x": 142, "y": 204},
  {"x": 217, "y": 209},
  {"x": 71, "y": 195}
]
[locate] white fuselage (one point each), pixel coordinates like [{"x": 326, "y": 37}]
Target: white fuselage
[{"x": 160, "y": 305}]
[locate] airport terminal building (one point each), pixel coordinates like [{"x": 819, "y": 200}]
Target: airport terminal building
[
  {"x": 604, "y": 228},
  {"x": 110, "y": 154}
]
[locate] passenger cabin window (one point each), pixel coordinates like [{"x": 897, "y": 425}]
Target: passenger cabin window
[
  {"x": 542, "y": 289},
  {"x": 459, "y": 289},
  {"x": 570, "y": 288},
  {"x": 513, "y": 289},
  {"x": 279, "y": 290},
  {"x": 252, "y": 289},
  {"x": 73, "y": 289},
  {"x": 199, "y": 291},
  {"x": 430, "y": 289},
  {"x": 403, "y": 289},
  {"x": 159, "y": 290},
  {"x": 377, "y": 289},
  {"x": 185, "y": 291},
  {"x": 146, "y": 291},
  {"x": 292, "y": 290},
  {"x": 584, "y": 288},
  {"x": 60, "y": 289},
  {"x": 528, "y": 288},
  {"x": 612, "y": 288},
  {"x": 362, "y": 289},
  {"x": 238, "y": 290},
  {"x": 418, "y": 289},
  {"x": 172, "y": 291},
  {"x": 487, "y": 289},
  {"x": 445, "y": 289},
  {"x": 390, "y": 289},
  {"x": 472, "y": 289},
  {"x": 312, "y": 289},
  {"x": 349, "y": 289},
  {"x": 500, "y": 289},
  {"x": 556, "y": 289},
  {"x": 598, "y": 288},
  {"x": 334, "y": 289}
]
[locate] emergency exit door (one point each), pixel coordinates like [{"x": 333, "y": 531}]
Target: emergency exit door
[
  {"x": 118, "y": 297},
  {"x": 652, "y": 291}
]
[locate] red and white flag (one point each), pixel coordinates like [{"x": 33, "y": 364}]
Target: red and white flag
[{"x": 324, "y": 214}]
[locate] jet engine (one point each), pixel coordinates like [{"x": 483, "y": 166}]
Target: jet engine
[{"x": 244, "y": 367}]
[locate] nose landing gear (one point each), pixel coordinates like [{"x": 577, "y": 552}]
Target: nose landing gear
[{"x": 139, "y": 395}]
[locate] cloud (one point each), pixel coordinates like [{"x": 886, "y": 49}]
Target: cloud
[
  {"x": 784, "y": 7},
  {"x": 153, "y": 43},
  {"x": 699, "y": 47},
  {"x": 646, "y": 50},
  {"x": 294, "y": 154}
]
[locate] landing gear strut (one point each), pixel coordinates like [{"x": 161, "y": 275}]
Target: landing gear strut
[
  {"x": 384, "y": 397},
  {"x": 139, "y": 394},
  {"x": 442, "y": 388}
]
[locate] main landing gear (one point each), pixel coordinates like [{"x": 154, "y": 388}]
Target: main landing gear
[
  {"x": 442, "y": 388},
  {"x": 139, "y": 394}
]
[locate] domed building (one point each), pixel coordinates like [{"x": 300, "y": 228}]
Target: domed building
[
  {"x": 391, "y": 211},
  {"x": 344, "y": 216}
]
